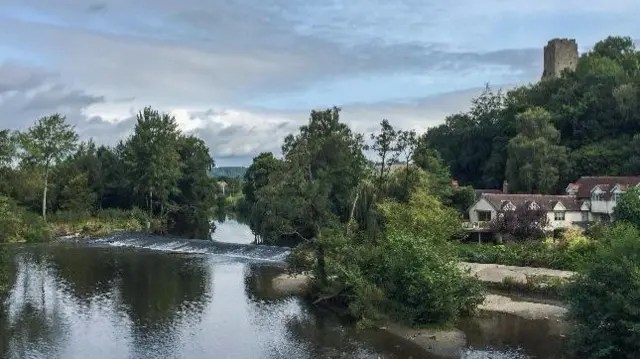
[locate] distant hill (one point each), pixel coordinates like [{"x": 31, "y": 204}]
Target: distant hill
[{"x": 230, "y": 171}]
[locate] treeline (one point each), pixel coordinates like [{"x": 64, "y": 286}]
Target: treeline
[
  {"x": 542, "y": 136},
  {"x": 159, "y": 174},
  {"x": 229, "y": 171}
]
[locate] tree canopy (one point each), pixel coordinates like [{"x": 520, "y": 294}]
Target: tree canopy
[{"x": 544, "y": 135}]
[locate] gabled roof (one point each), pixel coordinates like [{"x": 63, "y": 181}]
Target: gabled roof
[
  {"x": 546, "y": 202},
  {"x": 606, "y": 184}
]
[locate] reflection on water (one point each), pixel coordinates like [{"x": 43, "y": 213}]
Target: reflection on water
[{"x": 106, "y": 300}]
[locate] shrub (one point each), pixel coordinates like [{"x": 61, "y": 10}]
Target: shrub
[
  {"x": 19, "y": 225},
  {"x": 423, "y": 282},
  {"x": 566, "y": 255},
  {"x": 410, "y": 273},
  {"x": 604, "y": 299},
  {"x": 103, "y": 222}
]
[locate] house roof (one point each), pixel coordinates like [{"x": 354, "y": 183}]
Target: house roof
[
  {"x": 546, "y": 202},
  {"x": 480, "y": 192},
  {"x": 586, "y": 184}
]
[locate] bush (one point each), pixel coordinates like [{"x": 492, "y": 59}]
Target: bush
[
  {"x": 423, "y": 282},
  {"x": 410, "y": 273},
  {"x": 604, "y": 299},
  {"x": 19, "y": 225},
  {"x": 103, "y": 222},
  {"x": 565, "y": 254}
]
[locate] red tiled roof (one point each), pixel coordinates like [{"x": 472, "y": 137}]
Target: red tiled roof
[
  {"x": 606, "y": 183},
  {"x": 546, "y": 202}
]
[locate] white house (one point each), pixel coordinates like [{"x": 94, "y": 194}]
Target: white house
[
  {"x": 562, "y": 211},
  {"x": 590, "y": 199},
  {"x": 599, "y": 195}
]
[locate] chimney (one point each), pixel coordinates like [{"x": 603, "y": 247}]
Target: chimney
[
  {"x": 505, "y": 187},
  {"x": 454, "y": 183}
]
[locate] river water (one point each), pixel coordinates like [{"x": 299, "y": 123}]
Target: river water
[{"x": 135, "y": 296}]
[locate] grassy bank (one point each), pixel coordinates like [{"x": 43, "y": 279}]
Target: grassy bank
[
  {"x": 99, "y": 223},
  {"x": 570, "y": 252},
  {"x": 17, "y": 225}
]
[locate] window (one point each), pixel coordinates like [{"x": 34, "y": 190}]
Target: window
[
  {"x": 585, "y": 216},
  {"x": 616, "y": 196},
  {"x": 558, "y": 216},
  {"x": 595, "y": 196},
  {"x": 484, "y": 216}
]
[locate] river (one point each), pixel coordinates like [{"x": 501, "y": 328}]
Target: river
[{"x": 137, "y": 296}]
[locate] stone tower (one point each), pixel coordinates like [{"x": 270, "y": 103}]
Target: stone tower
[{"x": 559, "y": 54}]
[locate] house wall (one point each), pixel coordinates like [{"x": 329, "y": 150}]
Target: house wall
[
  {"x": 481, "y": 205},
  {"x": 570, "y": 217},
  {"x": 603, "y": 206}
]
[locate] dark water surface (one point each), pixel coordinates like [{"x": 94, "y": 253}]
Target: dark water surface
[{"x": 142, "y": 297}]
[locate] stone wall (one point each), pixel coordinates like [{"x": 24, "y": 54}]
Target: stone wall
[{"x": 559, "y": 54}]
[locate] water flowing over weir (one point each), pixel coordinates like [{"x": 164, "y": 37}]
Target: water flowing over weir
[{"x": 192, "y": 246}]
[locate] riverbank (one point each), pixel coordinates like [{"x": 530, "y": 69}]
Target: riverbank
[
  {"x": 448, "y": 342},
  {"x": 103, "y": 222}
]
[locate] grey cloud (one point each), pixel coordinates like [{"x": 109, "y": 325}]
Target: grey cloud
[
  {"x": 29, "y": 93},
  {"x": 228, "y": 52},
  {"x": 105, "y": 132},
  {"x": 96, "y": 7},
  {"x": 14, "y": 77}
]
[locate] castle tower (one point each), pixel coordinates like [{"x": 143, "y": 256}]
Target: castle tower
[{"x": 559, "y": 54}]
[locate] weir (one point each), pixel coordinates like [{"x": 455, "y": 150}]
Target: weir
[{"x": 191, "y": 246}]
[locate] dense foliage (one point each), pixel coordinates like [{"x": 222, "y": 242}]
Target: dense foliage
[
  {"x": 374, "y": 238},
  {"x": 541, "y": 136},
  {"x": 604, "y": 299},
  {"x": 628, "y": 208},
  {"x": 158, "y": 169},
  {"x": 229, "y": 171},
  {"x": 522, "y": 223},
  {"x": 560, "y": 255}
]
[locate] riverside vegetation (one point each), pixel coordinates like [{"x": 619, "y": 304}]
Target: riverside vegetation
[
  {"x": 382, "y": 244},
  {"x": 51, "y": 183}
]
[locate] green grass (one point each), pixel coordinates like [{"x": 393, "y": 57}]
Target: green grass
[
  {"x": 528, "y": 254},
  {"x": 101, "y": 223}
]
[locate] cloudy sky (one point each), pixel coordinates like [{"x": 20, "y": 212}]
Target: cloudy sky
[{"x": 244, "y": 73}]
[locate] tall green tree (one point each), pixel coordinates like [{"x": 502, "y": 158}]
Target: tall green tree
[
  {"x": 627, "y": 209},
  {"x": 45, "y": 144},
  {"x": 534, "y": 157},
  {"x": 322, "y": 169},
  {"x": 7, "y": 148},
  {"x": 257, "y": 175},
  {"x": 197, "y": 190},
  {"x": 152, "y": 159},
  {"x": 385, "y": 145}
]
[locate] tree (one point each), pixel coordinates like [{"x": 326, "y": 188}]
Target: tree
[
  {"x": 604, "y": 299},
  {"x": 385, "y": 145},
  {"x": 152, "y": 159},
  {"x": 523, "y": 223},
  {"x": 628, "y": 208},
  {"x": 534, "y": 156},
  {"x": 322, "y": 169},
  {"x": 197, "y": 190},
  {"x": 7, "y": 148},
  {"x": 46, "y": 143},
  {"x": 431, "y": 162},
  {"x": 257, "y": 175}
]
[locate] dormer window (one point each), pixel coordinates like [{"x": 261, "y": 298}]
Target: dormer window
[
  {"x": 617, "y": 196},
  {"x": 595, "y": 196}
]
